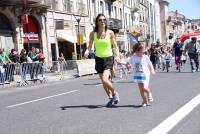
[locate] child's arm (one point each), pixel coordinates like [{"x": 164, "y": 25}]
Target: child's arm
[{"x": 152, "y": 71}]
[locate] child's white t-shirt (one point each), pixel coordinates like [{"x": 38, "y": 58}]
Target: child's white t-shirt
[{"x": 141, "y": 65}]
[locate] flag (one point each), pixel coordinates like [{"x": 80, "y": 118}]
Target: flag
[{"x": 132, "y": 38}]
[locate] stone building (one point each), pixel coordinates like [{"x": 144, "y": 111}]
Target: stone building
[
  {"x": 66, "y": 19},
  {"x": 22, "y": 25},
  {"x": 177, "y": 25}
]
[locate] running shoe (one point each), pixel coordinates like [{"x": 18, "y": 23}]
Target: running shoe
[
  {"x": 150, "y": 97},
  {"x": 116, "y": 98},
  {"x": 145, "y": 102},
  {"x": 110, "y": 102}
]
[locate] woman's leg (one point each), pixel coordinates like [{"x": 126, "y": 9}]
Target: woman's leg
[
  {"x": 105, "y": 87},
  {"x": 106, "y": 82},
  {"x": 113, "y": 95}
]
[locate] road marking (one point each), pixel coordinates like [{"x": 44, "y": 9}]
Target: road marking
[
  {"x": 114, "y": 82},
  {"x": 11, "y": 106},
  {"x": 165, "y": 126}
]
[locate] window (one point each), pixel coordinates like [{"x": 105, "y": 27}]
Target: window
[
  {"x": 68, "y": 6},
  {"x": 126, "y": 19},
  {"x": 55, "y": 4},
  {"x": 94, "y": 8},
  {"x": 115, "y": 8},
  {"x": 120, "y": 10},
  {"x": 59, "y": 24},
  {"x": 81, "y": 8},
  {"x": 101, "y": 7}
]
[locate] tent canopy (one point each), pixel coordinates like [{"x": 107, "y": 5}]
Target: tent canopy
[{"x": 189, "y": 36}]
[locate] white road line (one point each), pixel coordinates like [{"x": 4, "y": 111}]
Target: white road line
[
  {"x": 11, "y": 106},
  {"x": 114, "y": 82},
  {"x": 175, "y": 118}
]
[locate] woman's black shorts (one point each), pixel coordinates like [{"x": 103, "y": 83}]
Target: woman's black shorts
[{"x": 102, "y": 64}]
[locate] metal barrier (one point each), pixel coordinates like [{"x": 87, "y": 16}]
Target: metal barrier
[{"x": 16, "y": 74}]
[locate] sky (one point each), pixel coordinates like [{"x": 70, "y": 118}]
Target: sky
[{"x": 189, "y": 8}]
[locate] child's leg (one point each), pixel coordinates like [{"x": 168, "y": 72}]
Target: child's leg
[
  {"x": 143, "y": 93},
  {"x": 141, "y": 88},
  {"x": 148, "y": 92}
]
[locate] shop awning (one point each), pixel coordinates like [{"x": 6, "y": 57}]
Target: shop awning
[
  {"x": 189, "y": 36},
  {"x": 64, "y": 36}
]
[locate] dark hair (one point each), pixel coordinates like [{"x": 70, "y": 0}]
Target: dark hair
[
  {"x": 22, "y": 51},
  {"x": 12, "y": 50},
  {"x": 137, "y": 47},
  {"x": 194, "y": 38},
  {"x": 96, "y": 22}
]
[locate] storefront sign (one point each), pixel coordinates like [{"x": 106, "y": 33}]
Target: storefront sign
[{"x": 31, "y": 35}]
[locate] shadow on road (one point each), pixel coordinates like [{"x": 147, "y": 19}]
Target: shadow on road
[
  {"x": 82, "y": 106},
  {"x": 125, "y": 82},
  {"x": 174, "y": 72},
  {"x": 99, "y": 106},
  {"x": 125, "y": 106},
  {"x": 97, "y": 83}
]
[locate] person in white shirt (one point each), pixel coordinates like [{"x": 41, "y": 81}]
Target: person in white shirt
[{"x": 142, "y": 69}]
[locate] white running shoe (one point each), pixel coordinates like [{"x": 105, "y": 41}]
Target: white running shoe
[
  {"x": 150, "y": 97},
  {"x": 145, "y": 102}
]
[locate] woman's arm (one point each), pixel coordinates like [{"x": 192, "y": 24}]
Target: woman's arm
[
  {"x": 114, "y": 43},
  {"x": 90, "y": 45}
]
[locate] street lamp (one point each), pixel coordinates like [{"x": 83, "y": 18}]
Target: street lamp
[{"x": 78, "y": 19}]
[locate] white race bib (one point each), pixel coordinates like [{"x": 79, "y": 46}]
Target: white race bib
[{"x": 139, "y": 77}]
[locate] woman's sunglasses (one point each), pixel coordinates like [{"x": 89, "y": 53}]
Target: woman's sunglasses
[{"x": 102, "y": 20}]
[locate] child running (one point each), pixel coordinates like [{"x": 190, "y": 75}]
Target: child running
[{"x": 142, "y": 69}]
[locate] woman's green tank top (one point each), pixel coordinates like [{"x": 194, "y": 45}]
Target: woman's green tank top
[{"x": 103, "y": 47}]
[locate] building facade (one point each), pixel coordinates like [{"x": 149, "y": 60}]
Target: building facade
[
  {"x": 163, "y": 20},
  {"x": 67, "y": 24},
  {"x": 152, "y": 26},
  {"x": 177, "y": 25},
  {"x": 22, "y": 25},
  {"x": 63, "y": 26}
]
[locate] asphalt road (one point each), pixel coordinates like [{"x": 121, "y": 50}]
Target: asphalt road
[{"x": 77, "y": 106}]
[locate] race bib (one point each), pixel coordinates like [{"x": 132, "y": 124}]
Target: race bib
[{"x": 139, "y": 77}]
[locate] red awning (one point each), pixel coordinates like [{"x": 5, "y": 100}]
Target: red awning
[
  {"x": 31, "y": 26},
  {"x": 189, "y": 36}
]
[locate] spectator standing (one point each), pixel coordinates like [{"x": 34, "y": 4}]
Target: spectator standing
[
  {"x": 62, "y": 62},
  {"x": 177, "y": 50},
  {"x": 193, "y": 49},
  {"x": 153, "y": 52},
  {"x": 14, "y": 57},
  {"x": 4, "y": 61},
  {"x": 23, "y": 59},
  {"x": 33, "y": 65}
]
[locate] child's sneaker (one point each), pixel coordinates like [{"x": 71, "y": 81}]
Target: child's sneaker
[
  {"x": 145, "y": 102},
  {"x": 150, "y": 97},
  {"x": 116, "y": 98}
]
